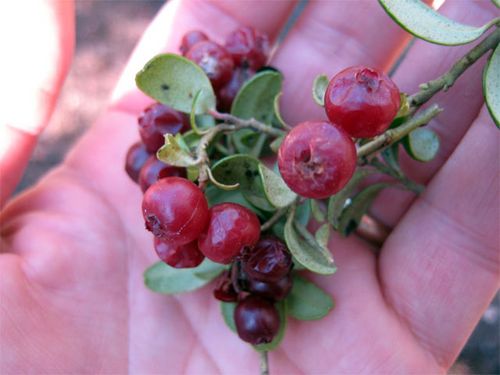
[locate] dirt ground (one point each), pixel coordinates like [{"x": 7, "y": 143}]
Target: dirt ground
[{"x": 106, "y": 33}]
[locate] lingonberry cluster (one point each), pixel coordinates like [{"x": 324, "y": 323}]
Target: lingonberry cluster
[{"x": 317, "y": 159}]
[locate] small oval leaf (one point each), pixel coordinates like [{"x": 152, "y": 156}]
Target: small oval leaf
[
  {"x": 320, "y": 85},
  {"x": 174, "y": 81},
  {"x": 422, "y": 144},
  {"x": 276, "y": 190},
  {"x": 306, "y": 250},
  {"x": 351, "y": 215},
  {"x": 227, "y": 310},
  {"x": 277, "y": 112},
  {"x": 317, "y": 211},
  {"x": 322, "y": 235},
  {"x": 174, "y": 154},
  {"x": 491, "y": 85},
  {"x": 307, "y": 301},
  {"x": 164, "y": 279},
  {"x": 207, "y": 121},
  {"x": 425, "y": 23}
]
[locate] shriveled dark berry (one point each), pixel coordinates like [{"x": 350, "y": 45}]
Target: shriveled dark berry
[
  {"x": 158, "y": 120},
  {"x": 154, "y": 170},
  {"x": 215, "y": 61},
  {"x": 317, "y": 159},
  {"x": 257, "y": 320},
  {"x": 175, "y": 209},
  {"x": 362, "y": 101},
  {"x": 269, "y": 260},
  {"x": 224, "y": 291},
  {"x": 178, "y": 256},
  {"x": 135, "y": 159},
  {"x": 228, "y": 92},
  {"x": 248, "y": 47},
  {"x": 190, "y": 39},
  {"x": 275, "y": 291},
  {"x": 231, "y": 228}
]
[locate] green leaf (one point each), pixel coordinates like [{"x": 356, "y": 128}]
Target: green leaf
[
  {"x": 227, "y": 310},
  {"x": 172, "y": 153},
  {"x": 306, "y": 249},
  {"x": 200, "y": 123},
  {"x": 174, "y": 81},
  {"x": 164, "y": 279},
  {"x": 215, "y": 196},
  {"x": 275, "y": 145},
  {"x": 256, "y": 99},
  {"x": 282, "y": 310},
  {"x": 404, "y": 108},
  {"x": 391, "y": 158},
  {"x": 276, "y": 190},
  {"x": 491, "y": 85},
  {"x": 425, "y": 23},
  {"x": 243, "y": 169},
  {"x": 320, "y": 85},
  {"x": 307, "y": 301},
  {"x": 303, "y": 213},
  {"x": 337, "y": 202},
  {"x": 496, "y": 3},
  {"x": 322, "y": 235},
  {"x": 422, "y": 144},
  {"x": 351, "y": 216},
  {"x": 317, "y": 211},
  {"x": 277, "y": 111},
  {"x": 190, "y": 139}
]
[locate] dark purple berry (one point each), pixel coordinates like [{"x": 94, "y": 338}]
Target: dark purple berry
[
  {"x": 275, "y": 291},
  {"x": 269, "y": 260},
  {"x": 257, "y": 320},
  {"x": 224, "y": 291},
  {"x": 248, "y": 47},
  {"x": 228, "y": 92},
  {"x": 154, "y": 170},
  {"x": 135, "y": 159}
]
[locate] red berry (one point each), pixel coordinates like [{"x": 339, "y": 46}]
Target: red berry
[
  {"x": 228, "y": 92},
  {"x": 275, "y": 291},
  {"x": 154, "y": 170},
  {"x": 231, "y": 227},
  {"x": 157, "y": 120},
  {"x": 269, "y": 260},
  {"x": 135, "y": 159},
  {"x": 175, "y": 209},
  {"x": 215, "y": 61},
  {"x": 362, "y": 101},
  {"x": 248, "y": 47},
  {"x": 190, "y": 39},
  {"x": 178, "y": 256},
  {"x": 316, "y": 159},
  {"x": 257, "y": 320},
  {"x": 225, "y": 290}
]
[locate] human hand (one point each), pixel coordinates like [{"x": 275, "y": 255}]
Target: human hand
[{"x": 74, "y": 248}]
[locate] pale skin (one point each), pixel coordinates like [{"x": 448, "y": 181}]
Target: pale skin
[{"x": 74, "y": 247}]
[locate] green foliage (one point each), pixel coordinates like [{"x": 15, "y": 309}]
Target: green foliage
[
  {"x": 306, "y": 250},
  {"x": 164, "y": 279},
  {"x": 307, "y": 301},
  {"x": 320, "y": 85},
  {"x": 227, "y": 310},
  {"x": 425, "y": 23},
  {"x": 422, "y": 144},
  {"x": 491, "y": 85},
  {"x": 174, "y": 81},
  {"x": 175, "y": 153},
  {"x": 276, "y": 190}
]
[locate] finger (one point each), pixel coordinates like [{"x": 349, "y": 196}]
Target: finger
[
  {"x": 328, "y": 37},
  {"x": 440, "y": 267},
  {"x": 38, "y": 45},
  {"x": 216, "y": 19},
  {"x": 461, "y": 103}
]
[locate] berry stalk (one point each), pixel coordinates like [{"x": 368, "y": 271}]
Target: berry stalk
[{"x": 264, "y": 363}]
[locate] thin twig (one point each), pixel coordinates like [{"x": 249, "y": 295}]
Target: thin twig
[
  {"x": 273, "y": 219},
  {"x": 264, "y": 363},
  {"x": 247, "y": 123}
]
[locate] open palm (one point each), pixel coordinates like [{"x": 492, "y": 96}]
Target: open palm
[{"x": 72, "y": 298}]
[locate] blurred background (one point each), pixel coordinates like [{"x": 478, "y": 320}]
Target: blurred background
[{"x": 106, "y": 33}]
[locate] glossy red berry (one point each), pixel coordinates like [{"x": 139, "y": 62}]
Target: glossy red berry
[
  {"x": 175, "y": 209},
  {"x": 248, "y": 47},
  {"x": 135, "y": 159},
  {"x": 269, "y": 260},
  {"x": 316, "y": 159},
  {"x": 224, "y": 291},
  {"x": 190, "y": 39},
  {"x": 228, "y": 92},
  {"x": 157, "y": 120},
  {"x": 275, "y": 291},
  {"x": 362, "y": 101},
  {"x": 257, "y": 320},
  {"x": 178, "y": 256},
  {"x": 154, "y": 170},
  {"x": 215, "y": 61},
  {"x": 231, "y": 227}
]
